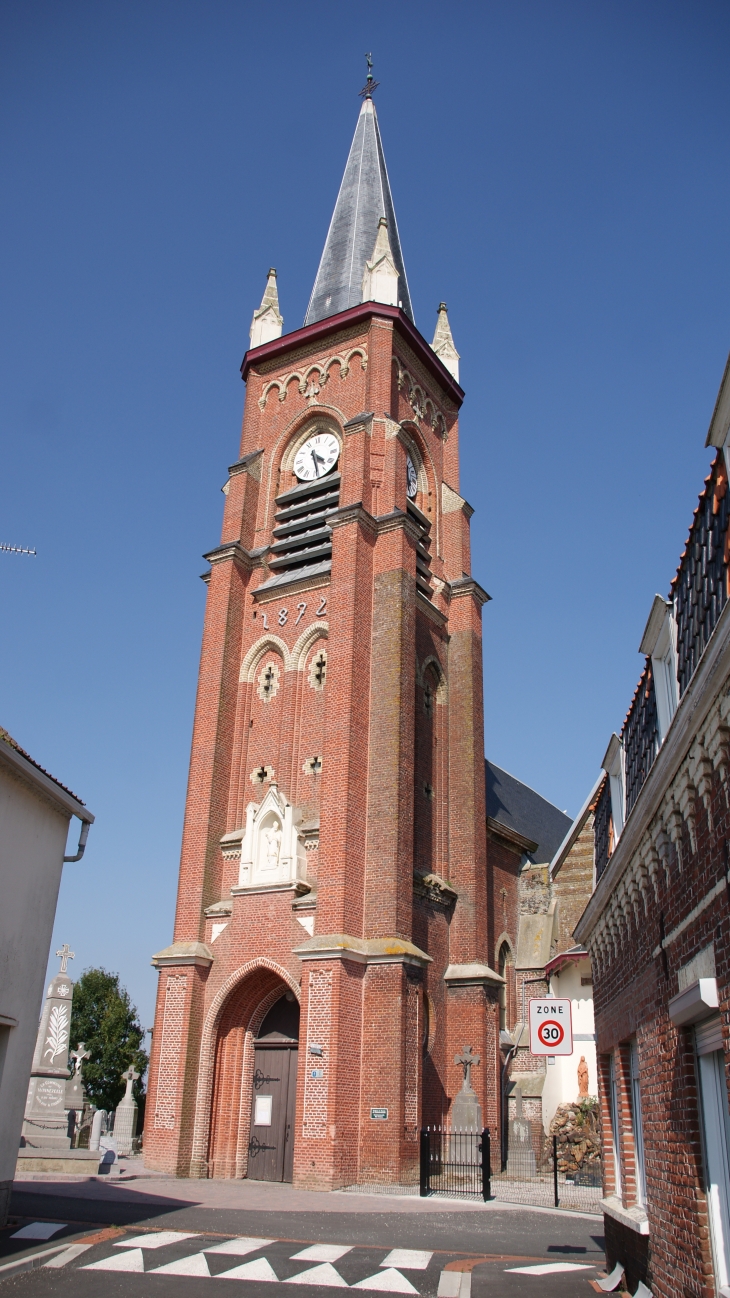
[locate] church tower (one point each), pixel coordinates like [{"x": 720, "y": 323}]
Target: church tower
[{"x": 329, "y": 959}]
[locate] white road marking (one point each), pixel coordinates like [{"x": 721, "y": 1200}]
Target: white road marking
[
  {"x": 240, "y": 1246},
  {"x": 412, "y": 1259},
  {"x": 260, "y": 1269},
  {"x": 324, "y": 1274},
  {"x": 158, "y": 1239},
  {"x": 68, "y": 1255},
  {"x": 390, "y": 1281},
  {"x": 550, "y": 1268},
  {"x": 130, "y": 1261},
  {"x": 39, "y": 1230},
  {"x": 449, "y": 1282},
  {"x": 194, "y": 1265},
  {"x": 322, "y": 1252}
]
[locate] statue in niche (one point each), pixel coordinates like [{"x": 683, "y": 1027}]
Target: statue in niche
[
  {"x": 272, "y": 837},
  {"x": 582, "y": 1078}
]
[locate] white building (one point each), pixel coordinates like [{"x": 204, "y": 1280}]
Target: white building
[
  {"x": 35, "y": 811},
  {"x": 570, "y": 979}
]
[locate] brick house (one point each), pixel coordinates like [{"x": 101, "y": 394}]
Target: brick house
[{"x": 658, "y": 927}]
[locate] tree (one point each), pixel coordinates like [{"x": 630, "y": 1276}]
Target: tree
[{"x": 104, "y": 1018}]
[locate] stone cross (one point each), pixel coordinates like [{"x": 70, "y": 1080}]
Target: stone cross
[
  {"x": 466, "y": 1059},
  {"x": 129, "y": 1077},
  {"x": 66, "y": 954},
  {"x": 80, "y": 1054}
]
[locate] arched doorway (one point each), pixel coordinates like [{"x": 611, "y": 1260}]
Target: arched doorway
[
  {"x": 271, "y": 1143},
  {"x": 259, "y": 1023}
]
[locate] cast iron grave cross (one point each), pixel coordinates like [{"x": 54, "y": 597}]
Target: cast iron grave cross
[
  {"x": 466, "y": 1059},
  {"x": 66, "y": 954}
]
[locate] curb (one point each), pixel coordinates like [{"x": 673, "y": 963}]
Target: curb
[{"x": 30, "y": 1262}]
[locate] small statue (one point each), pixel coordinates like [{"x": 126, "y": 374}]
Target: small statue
[
  {"x": 273, "y": 845},
  {"x": 582, "y": 1078}
]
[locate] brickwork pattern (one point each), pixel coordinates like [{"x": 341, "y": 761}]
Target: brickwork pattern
[{"x": 172, "y": 1032}]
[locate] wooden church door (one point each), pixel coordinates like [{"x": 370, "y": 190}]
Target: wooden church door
[{"x": 271, "y": 1141}]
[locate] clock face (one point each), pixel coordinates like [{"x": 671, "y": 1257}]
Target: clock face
[
  {"x": 411, "y": 479},
  {"x": 318, "y": 455}
]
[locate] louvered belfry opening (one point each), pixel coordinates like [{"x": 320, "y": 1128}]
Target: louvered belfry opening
[
  {"x": 423, "y": 551},
  {"x": 302, "y": 536}
]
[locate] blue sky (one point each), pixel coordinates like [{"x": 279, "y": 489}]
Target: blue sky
[{"x": 560, "y": 174}]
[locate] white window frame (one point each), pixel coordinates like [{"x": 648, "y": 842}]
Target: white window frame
[
  {"x": 615, "y": 1126},
  {"x": 716, "y": 1143},
  {"x": 637, "y": 1125},
  {"x": 613, "y": 765},
  {"x": 659, "y": 643}
]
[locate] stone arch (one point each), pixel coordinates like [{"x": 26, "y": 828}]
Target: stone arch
[
  {"x": 317, "y": 631},
  {"x": 256, "y": 653},
  {"x": 310, "y": 423},
  {"x": 273, "y": 980},
  {"x": 432, "y": 661}
]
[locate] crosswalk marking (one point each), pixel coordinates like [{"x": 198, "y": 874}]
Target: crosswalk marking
[
  {"x": 68, "y": 1255},
  {"x": 39, "y": 1230},
  {"x": 389, "y": 1281},
  {"x": 325, "y": 1274},
  {"x": 322, "y": 1252},
  {"x": 195, "y": 1265},
  {"x": 132, "y": 1260},
  {"x": 550, "y": 1268},
  {"x": 157, "y": 1239},
  {"x": 411, "y": 1259},
  {"x": 258, "y": 1270},
  {"x": 240, "y": 1246}
]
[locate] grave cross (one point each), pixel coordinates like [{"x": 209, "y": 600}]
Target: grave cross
[
  {"x": 80, "y": 1054},
  {"x": 66, "y": 954},
  {"x": 466, "y": 1059},
  {"x": 130, "y": 1076}
]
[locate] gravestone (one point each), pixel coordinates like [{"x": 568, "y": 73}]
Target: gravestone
[
  {"x": 45, "y": 1125},
  {"x": 125, "y": 1115},
  {"x": 520, "y": 1154}
]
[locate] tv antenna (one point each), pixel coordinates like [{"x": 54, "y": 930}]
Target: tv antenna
[
  {"x": 15, "y": 549},
  {"x": 371, "y": 84}
]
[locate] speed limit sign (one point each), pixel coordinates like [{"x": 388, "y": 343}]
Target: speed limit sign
[{"x": 551, "y": 1027}]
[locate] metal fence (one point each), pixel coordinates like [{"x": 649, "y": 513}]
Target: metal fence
[
  {"x": 454, "y": 1162},
  {"x": 466, "y": 1164}
]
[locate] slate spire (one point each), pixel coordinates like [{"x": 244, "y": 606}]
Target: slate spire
[{"x": 363, "y": 199}]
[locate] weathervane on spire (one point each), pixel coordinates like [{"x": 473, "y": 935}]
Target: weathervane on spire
[{"x": 370, "y": 84}]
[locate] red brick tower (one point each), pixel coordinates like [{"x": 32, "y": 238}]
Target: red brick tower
[{"x": 333, "y": 871}]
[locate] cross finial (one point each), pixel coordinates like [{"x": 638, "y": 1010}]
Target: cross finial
[
  {"x": 66, "y": 954},
  {"x": 370, "y": 84},
  {"x": 130, "y": 1075}
]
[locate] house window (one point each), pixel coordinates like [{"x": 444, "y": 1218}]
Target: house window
[
  {"x": 716, "y": 1141},
  {"x": 636, "y": 1125},
  {"x": 615, "y": 1124},
  {"x": 659, "y": 642},
  {"x": 613, "y": 765}
]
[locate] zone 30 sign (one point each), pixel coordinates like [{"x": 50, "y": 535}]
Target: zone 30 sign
[{"x": 551, "y": 1027}]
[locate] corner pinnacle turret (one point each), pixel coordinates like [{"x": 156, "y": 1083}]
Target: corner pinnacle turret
[{"x": 268, "y": 322}]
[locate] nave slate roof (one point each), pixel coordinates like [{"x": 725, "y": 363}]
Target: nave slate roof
[
  {"x": 517, "y": 806},
  {"x": 363, "y": 198}
]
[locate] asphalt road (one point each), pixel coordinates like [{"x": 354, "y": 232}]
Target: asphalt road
[{"x": 116, "y": 1243}]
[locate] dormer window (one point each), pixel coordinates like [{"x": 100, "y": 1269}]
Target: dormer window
[
  {"x": 613, "y": 765},
  {"x": 659, "y": 642}
]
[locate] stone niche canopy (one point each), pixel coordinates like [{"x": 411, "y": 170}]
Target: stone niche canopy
[{"x": 271, "y": 846}]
